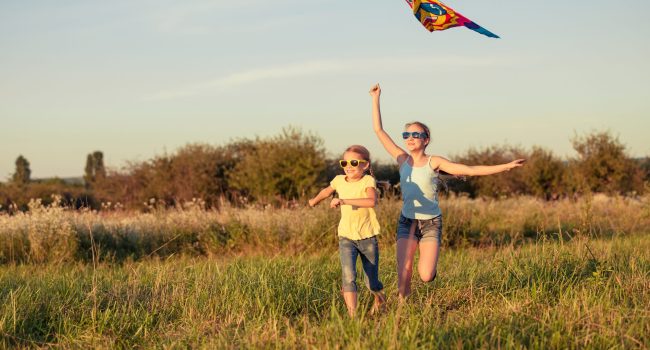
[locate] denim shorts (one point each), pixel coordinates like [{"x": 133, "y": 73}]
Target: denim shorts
[
  {"x": 368, "y": 250},
  {"x": 425, "y": 230}
]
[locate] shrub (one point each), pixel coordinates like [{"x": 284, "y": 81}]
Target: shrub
[
  {"x": 603, "y": 165},
  {"x": 494, "y": 186},
  {"x": 282, "y": 167}
]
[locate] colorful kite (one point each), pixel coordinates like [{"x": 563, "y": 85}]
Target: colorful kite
[{"x": 434, "y": 15}]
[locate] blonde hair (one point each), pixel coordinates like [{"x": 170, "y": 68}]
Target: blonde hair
[
  {"x": 364, "y": 153},
  {"x": 423, "y": 126}
]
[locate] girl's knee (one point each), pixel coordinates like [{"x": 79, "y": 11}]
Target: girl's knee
[
  {"x": 349, "y": 286},
  {"x": 406, "y": 265},
  {"x": 428, "y": 277}
]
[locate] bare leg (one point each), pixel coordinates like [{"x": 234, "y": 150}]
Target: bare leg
[
  {"x": 351, "y": 302},
  {"x": 427, "y": 266},
  {"x": 405, "y": 252}
]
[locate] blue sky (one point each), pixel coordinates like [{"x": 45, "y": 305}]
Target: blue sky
[{"x": 139, "y": 78}]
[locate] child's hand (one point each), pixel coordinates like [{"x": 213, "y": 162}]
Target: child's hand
[
  {"x": 515, "y": 164},
  {"x": 312, "y": 202},
  {"x": 336, "y": 202},
  {"x": 375, "y": 91}
]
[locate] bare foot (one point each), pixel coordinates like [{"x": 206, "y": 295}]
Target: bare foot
[
  {"x": 380, "y": 303},
  {"x": 402, "y": 298}
]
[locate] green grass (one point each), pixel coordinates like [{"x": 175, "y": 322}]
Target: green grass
[{"x": 549, "y": 294}]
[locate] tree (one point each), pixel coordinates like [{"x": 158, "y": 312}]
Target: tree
[
  {"x": 23, "y": 173},
  {"x": 645, "y": 167},
  {"x": 543, "y": 174},
  {"x": 286, "y": 166},
  {"x": 95, "y": 169},
  {"x": 194, "y": 171},
  {"x": 498, "y": 185},
  {"x": 603, "y": 165},
  {"x": 200, "y": 171}
]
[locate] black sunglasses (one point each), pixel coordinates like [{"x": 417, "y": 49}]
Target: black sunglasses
[
  {"x": 353, "y": 162},
  {"x": 415, "y": 134}
]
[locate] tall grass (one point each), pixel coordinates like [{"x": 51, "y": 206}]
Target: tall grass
[
  {"x": 56, "y": 234},
  {"x": 546, "y": 295}
]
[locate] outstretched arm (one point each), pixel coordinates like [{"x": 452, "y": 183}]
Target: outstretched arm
[
  {"x": 473, "y": 170},
  {"x": 395, "y": 151},
  {"x": 324, "y": 193}
]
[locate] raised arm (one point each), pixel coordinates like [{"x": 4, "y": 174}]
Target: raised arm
[
  {"x": 472, "y": 170},
  {"x": 395, "y": 151},
  {"x": 324, "y": 193}
]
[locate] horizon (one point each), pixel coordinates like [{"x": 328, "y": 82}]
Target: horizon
[{"x": 137, "y": 79}]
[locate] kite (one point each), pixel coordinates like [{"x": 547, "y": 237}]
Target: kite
[{"x": 434, "y": 15}]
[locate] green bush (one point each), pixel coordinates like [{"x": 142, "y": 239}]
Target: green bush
[
  {"x": 194, "y": 171},
  {"x": 603, "y": 165},
  {"x": 493, "y": 186},
  {"x": 282, "y": 167}
]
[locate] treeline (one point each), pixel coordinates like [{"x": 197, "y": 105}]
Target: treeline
[
  {"x": 283, "y": 169},
  {"x": 601, "y": 165}
]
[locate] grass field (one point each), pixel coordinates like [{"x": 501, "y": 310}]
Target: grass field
[
  {"x": 582, "y": 293},
  {"x": 53, "y": 234}
]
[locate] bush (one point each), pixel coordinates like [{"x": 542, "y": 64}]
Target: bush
[
  {"x": 290, "y": 165},
  {"x": 282, "y": 167},
  {"x": 194, "y": 171},
  {"x": 14, "y": 197},
  {"x": 543, "y": 174},
  {"x": 603, "y": 165},
  {"x": 493, "y": 186}
]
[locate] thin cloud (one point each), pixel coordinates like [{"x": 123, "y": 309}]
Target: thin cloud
[
  {"x": 312, "y": 68},
  {"x": 247, "y": 77}
]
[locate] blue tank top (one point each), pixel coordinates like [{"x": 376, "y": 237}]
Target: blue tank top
[{"x": 419, "y": 191}]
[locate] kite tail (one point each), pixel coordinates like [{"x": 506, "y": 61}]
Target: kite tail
[{"x": 477, "y": 28}]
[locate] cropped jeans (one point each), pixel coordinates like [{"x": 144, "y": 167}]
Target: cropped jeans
[{"x": 368, "y": 249}]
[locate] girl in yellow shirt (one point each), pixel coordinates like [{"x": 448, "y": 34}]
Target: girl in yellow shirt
[{"x": 358, "y": 228}]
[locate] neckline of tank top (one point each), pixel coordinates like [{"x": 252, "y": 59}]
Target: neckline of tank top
[{"x": 418, "y": 167}]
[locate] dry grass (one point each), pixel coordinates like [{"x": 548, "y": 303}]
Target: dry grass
[{"x": 57, "y": 234}]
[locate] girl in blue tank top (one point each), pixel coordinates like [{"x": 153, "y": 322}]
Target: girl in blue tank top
[{"x": 420, "y": 222}]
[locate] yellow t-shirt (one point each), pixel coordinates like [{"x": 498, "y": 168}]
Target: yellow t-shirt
[{"x": 356, "y": 223}]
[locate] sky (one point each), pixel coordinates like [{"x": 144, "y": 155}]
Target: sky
[{"x": 140, "y": 78}]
